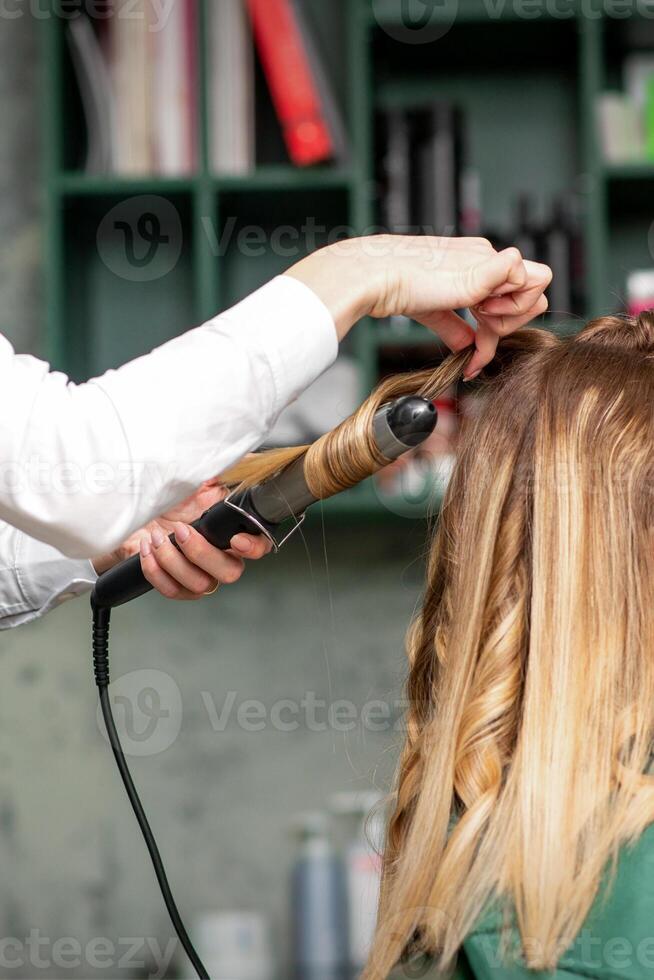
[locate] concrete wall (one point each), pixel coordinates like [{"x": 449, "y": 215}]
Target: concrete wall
[
  {"x": 296, "y": 633},
  {"x": 220, "y": 796},
  {"x": 20, "y": 162}
]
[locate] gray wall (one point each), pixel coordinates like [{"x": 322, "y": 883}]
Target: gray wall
[
  {"x": 20, "y": 286},
  {"x": 222, "y": 794},
  {"x": 71, "y": 860}
]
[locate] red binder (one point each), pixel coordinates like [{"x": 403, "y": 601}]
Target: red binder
[{"x": 294, "y": 85}]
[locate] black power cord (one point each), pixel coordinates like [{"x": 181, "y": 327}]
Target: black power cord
[{"x": 101, "y": 618}]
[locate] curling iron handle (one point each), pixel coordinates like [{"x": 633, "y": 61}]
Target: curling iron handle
[{"x": 126, "y": 581}]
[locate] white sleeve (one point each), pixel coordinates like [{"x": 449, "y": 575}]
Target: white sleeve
[
  {"x": 34, "y": 578},
  {"x": 82, "y": 466}
]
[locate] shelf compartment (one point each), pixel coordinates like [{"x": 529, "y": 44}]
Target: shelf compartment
[
  {"x": 545, "y": 143},
  {"x": 80, "y": 184},
  {"x": 127, "y": 277},
  {"x": 390, "y": 13},
  {"x": 272, "y": 178},
  {"x": 328, "y": 25},
  {"x": 260, "y": 235},
  {"x": 284, "y": 177},
  {"x": 638, "y": 170}
]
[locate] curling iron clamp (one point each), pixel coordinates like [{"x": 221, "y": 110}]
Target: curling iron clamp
[
  {"x": 265, "y": 509},
  {"x": 399, "y": 426}
]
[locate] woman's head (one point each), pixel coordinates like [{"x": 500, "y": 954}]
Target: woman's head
[{"x": 531, "y": 683}]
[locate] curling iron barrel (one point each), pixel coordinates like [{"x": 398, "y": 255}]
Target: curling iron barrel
[{"x": 397, "y": 427}]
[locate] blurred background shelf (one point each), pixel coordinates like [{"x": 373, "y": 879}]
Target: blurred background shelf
[
  {"x": 78, "y": 183},
  {"x": 368, "y": 502},
  {"x": 641, "y": 170},
  {"x": 406, "y": 334},
  {"x": 527, "y": 87},
  {"x": 391, "y": 13},
  {"x": 263, "y": 178},
  {"x": 285, "y": 177}
]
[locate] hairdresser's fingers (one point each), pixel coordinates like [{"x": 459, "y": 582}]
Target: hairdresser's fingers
[
  {"x": 539, "y": 277},
  {"x": 505, "y": 325},
  {"x": 451, "y": 328},
  {"x": 486, "y": 345},
  {"x": 492, "y": 329},
  {"x": 159, "y": 579},
  {"x": 179, "y": 566},
  {"x": 503, "y": 272},
  {"x": 250, "y": 546},
  {"x": 219, "y": 565}
]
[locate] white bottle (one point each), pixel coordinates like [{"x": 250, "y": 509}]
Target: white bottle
[
  {"x": 363, "y": 860},
  {"x": 234, "y": 945}
]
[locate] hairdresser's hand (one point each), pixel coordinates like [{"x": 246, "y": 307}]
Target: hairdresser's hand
[
  {"x": 428, "y": 278},
  {"x": 198, "y": 568}
]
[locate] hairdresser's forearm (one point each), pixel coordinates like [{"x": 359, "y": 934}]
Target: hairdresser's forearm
[
  {"x": 345, "y": 279},
  {"x": 82, "y": 466}
]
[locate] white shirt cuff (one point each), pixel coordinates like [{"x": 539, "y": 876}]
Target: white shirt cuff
[{"x": 36, "y": 578}]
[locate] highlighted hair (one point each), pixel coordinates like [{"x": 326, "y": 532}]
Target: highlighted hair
[{"x": 531, "y": 683}]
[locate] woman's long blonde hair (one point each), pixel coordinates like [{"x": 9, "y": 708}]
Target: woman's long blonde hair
[{"x": 531, "y": 685}]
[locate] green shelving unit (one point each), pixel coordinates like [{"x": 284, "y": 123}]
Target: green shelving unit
[{"x": 528, "y": 84}]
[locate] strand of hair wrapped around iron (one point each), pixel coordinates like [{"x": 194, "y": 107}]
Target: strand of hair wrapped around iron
[{"x": 348, "y": 454}]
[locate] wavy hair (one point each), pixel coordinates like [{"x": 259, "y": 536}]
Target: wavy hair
[{"x": 531, "y": 664}]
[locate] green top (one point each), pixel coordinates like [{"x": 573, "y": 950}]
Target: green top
[{"x": 617, "y": 940}]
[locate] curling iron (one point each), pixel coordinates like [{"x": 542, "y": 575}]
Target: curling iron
[
  {"x": 397, "y": 427},
  {"x": 266, "y": 510}
]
